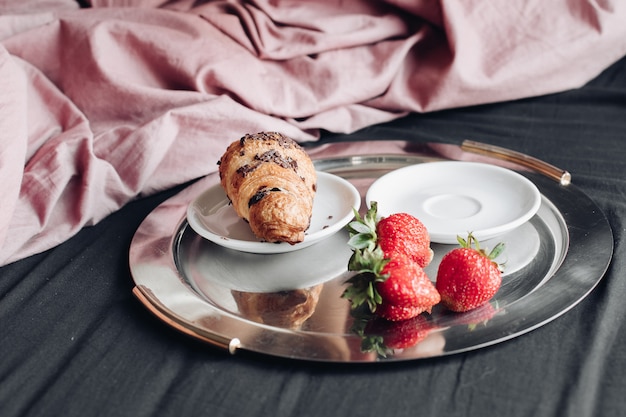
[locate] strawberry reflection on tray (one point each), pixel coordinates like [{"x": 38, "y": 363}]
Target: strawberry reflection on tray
[{"x": 415, "y": 337}]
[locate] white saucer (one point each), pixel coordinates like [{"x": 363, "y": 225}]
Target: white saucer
[
  {"x": 453, "y": 198},
  {"x": 212, "y": 217}
]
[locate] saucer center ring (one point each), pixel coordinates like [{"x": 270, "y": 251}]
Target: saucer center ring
[{"x": 452, "y": 206}]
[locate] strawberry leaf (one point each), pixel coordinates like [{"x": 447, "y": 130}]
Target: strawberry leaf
[
  {"x": 363, "y": 230},
  {"x": 362, "y": 291},
  {"x": 472, "y": 243},
  {"x": 358, "y": 227},
  {"x": 361, "y": 241},
  {"x": 496, "y": 251},
  {"x": 367, "y": 260},
  {"x": 375, "y": 344}
]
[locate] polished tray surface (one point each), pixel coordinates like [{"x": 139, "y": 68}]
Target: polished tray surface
[{"x": 554, "y": 261}]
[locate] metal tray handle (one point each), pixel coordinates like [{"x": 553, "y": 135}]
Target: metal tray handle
[{"x": 561, "y": 176}]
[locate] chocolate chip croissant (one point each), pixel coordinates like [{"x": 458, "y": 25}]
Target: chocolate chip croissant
[{"x": 271, "y": 183}]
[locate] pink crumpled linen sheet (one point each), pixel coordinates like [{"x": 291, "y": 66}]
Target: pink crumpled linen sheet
[{"x": 103, "y": 104}]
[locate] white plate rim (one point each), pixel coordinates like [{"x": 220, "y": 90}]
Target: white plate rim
[
  {"x": 325, "y": 180},
  {"x": 381, "y": 186}
]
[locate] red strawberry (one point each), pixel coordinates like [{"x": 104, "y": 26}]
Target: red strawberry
[
  {"x": 402, "y": 233},
  {"x": 395, "y": 312},
  {"x": 395, "y": 288},
  {"x": 406, "y": 292},
  {"x": 400, "y": 290},
  {"x": 468, "y": 277}
]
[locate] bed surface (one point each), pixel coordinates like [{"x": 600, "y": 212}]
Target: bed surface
[{"x": 76, "y": 342}]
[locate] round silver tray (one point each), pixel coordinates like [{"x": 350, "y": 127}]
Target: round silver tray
[{"x": 176, "y": 279}]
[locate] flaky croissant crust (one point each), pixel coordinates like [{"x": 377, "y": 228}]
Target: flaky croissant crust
[{"x": 271, "y": 182}]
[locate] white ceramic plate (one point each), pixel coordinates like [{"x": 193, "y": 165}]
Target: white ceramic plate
[
  {"x": 212, "y": 217},
  {"x": 453, "y": 198}
]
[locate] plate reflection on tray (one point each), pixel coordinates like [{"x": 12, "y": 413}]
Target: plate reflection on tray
[{"x": 253, "y": 272}]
